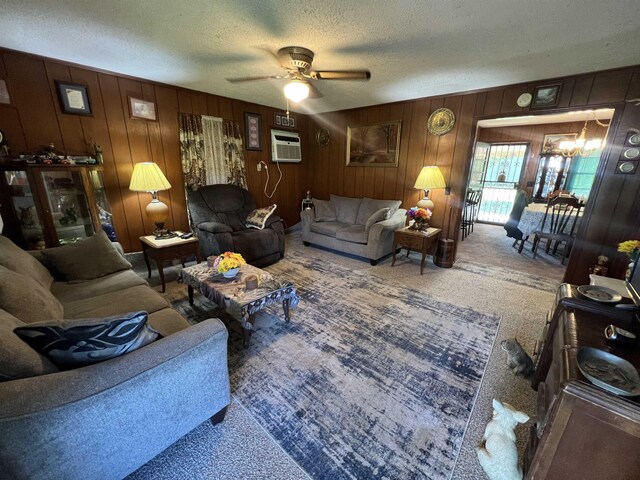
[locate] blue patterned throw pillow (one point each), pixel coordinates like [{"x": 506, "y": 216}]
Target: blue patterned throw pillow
[
  {"x": 258, "y": 218},
  {"x": 80, "y": 342}
]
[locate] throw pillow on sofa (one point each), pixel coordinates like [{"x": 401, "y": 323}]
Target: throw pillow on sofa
[
  {"x": 21, "y": 261},
  {"x": 258, "y": 218},
  {"x": 324, "y": 211},
  {"x": 26, "y": 299},
  {"x": 80, "y": 342},
  {"x": 91, "y": 258},
  {"x": 376, "y": 217}
]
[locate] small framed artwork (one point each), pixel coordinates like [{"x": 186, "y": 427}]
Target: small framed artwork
[
  {"x": 4, "y": 93},
  {"x": 552, "y": 141},
  {"x": 73, "y": 98},
  {"x": 143, "y": 109},
  {"x": 252, "y": 129},
  {"x": 546, "y": 96},
  {"x": 284, "y": 120},
  {"x": 373, "y": 145}
]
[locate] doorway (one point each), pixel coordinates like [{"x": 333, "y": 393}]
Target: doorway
[{"x": 496, "y": 170}]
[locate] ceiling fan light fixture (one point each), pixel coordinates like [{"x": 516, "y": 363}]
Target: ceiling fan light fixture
[{"x": 296, "y": 90}]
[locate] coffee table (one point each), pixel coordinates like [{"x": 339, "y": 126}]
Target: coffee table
[{"x": 233, "y": 296}]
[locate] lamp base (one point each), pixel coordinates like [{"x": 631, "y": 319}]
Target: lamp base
[
  {"x": 162, "y": 233},
  {"x": 426, "y": 203}
]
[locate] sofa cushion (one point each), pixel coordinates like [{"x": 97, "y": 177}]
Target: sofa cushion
[
  {"x": 18, "y": 260},
  {"x": 167, "y": 321},
  {"x": 370, "y": 206},
  {"x": 327, "y": 228},
  {"x": 91, "y": 258},
  {"x": 69, "y": 292},
  {"x": 17, "y": 359},
  {"x": 324, "y": 211},
  {"x": 258, "y": 217},
  {"x": 353, "y": 233},
  {"x": 347, "y": 209},
  {"x": 80, "y": 342},
  {"x": 26, "y": 299},
  {"x": 255, "y": 244},
  {"x": 377, "y": 216},
  {"x": 131, "y": 299}
]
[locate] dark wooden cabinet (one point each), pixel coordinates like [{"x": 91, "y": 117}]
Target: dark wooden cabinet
[
  {"x": 51, "y": 205},
  {"x": 582, "y": 431}
]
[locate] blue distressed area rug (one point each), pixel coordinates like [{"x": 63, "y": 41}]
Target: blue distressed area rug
[{"x": 371, "y": 379}]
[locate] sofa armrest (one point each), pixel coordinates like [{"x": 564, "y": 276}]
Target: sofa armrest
[
  {"x": 273, "y": 218},
  {"x": 214, "y": 227},
  {"x": 33, "y": 394},
  {"x": 307, "y": 217},
  {"x": 116, "y": 415}
]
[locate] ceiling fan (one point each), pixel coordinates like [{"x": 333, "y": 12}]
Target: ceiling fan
[{"x": 297, "y": 61}]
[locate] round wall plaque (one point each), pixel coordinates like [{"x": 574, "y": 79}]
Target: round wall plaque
[
  {"x": 631, "y": 153},
  {"x": 441, "y": 121},
  {"x": 323, "y": 137},
  {"x": 524, "y": 100}
]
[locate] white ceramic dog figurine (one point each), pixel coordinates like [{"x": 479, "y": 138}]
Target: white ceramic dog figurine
[{"x": 499, "y": 457}]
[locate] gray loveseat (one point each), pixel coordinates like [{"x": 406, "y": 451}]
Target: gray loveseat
[
  {"x": 105, "y": 420},
  {"x": 357, "y": 226}
]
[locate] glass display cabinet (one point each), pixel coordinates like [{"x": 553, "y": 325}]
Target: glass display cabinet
[
  {"x": 51, "y": 205},
  {"x": 551, "y": 175}
]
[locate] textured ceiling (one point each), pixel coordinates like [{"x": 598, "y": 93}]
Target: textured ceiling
[{"x": 413, "y": 48}]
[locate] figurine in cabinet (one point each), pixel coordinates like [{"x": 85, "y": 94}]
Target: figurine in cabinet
[
  {"x": 26, "y": 217},
  {"x": 499, "y": 456}
]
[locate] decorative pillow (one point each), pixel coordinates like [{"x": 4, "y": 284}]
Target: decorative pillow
[
  {"x": 26, "y": 299},
  {"x": 324, "y": 211},
  {"x": 258, "y": 218},
  {"x": 17, "y": 360},
  {"x": 376, "y": 217},
  {"x": 92, "y": 258},
  {"x": 79, "y": 342},
  {"x": 21, "y": 261},
  {"x": 347, "y": 208}
]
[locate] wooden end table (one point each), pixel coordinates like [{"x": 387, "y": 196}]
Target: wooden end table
[
  {"x": 166, "y": 250},
  {"x": 421, "y": 241}
]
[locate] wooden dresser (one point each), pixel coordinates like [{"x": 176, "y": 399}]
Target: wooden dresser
[{"x": 582, "y": 431}]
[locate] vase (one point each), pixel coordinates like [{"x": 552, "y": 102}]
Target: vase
[{"x": 231, "y": 273}]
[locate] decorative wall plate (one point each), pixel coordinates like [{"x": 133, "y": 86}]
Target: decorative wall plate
[
  {"x": 634, "y": 139},
  {"x": 441, "y": 121},
  {"x": 524, "y": 100},
  {"x": 631, "y": 153},
  {"x": 323, "y": 137}
]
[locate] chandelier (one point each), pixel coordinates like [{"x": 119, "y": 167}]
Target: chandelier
[{"x": 580, "y": 146}]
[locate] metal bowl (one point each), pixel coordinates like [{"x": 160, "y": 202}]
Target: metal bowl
[{"x": 609, "y": 372}]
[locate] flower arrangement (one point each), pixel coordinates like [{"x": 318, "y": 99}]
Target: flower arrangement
[
  {"x": 631, "y": 248},
  {"x": 421, "y": 217},
  {"x": 228, "y": 261}
]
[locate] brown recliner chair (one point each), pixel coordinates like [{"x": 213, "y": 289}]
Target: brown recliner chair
[{"x": 218, "y": 216}]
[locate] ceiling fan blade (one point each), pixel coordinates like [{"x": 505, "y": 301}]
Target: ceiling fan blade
[
  {"x": 313, "y": 91},
  {"x": 341, "y": 75},
  {"x": 250, "y": 79}
]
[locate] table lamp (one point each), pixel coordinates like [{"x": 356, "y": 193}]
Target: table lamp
[
  {"x": 429, "y": 178},
  {"x": 147, "y": 177}
]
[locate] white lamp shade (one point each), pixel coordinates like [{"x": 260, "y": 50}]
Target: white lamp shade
[
  {"x": 296, "y": 90},
  {"x": 147, "y": 177},
  {"x": 430, "y": 178}
]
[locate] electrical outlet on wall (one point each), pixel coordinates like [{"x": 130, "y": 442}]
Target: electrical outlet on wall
[{"x": 259, "y": 166}]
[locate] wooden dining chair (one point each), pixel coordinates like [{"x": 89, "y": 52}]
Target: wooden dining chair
[{"x": 560, "y": 212}]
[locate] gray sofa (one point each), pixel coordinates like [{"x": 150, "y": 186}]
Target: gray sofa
[
  {"x": 358, "y": 226},
  {"x": 105, "y": 420}
]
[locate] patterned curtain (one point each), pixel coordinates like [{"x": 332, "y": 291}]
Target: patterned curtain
[
  {"x": 236, "y": 173},
  {"x": 214, "y": 156},
  {"x": 192, "y": 150}
]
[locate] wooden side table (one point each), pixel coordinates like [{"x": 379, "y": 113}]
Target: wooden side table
[
  {"x": 170, "y": 249},
  {"x": 421, "y": 241}
]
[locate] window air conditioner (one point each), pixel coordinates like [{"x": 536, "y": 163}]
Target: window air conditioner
[{"x": 285, "y": 147}]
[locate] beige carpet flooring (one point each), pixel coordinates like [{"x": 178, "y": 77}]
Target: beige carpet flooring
[{"x": 505, "y": 286}]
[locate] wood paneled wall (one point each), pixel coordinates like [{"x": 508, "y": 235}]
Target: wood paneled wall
[
  {"x": 533, "y": 135},
  {"x": 609, "y": 218},
  {"x": 34, "y": 119}
]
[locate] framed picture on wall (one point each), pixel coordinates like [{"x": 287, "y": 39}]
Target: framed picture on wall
[
  {"x": 73, "y": 98},
  {"x": 373, "y": 145},
  {"x": 546, "y": 96},
  {"x": 552, "y": 141},
  {"x": 143, "y": 109},
  {"x": 284, "y": 120},
  {"x": 252, "y": 129}
]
